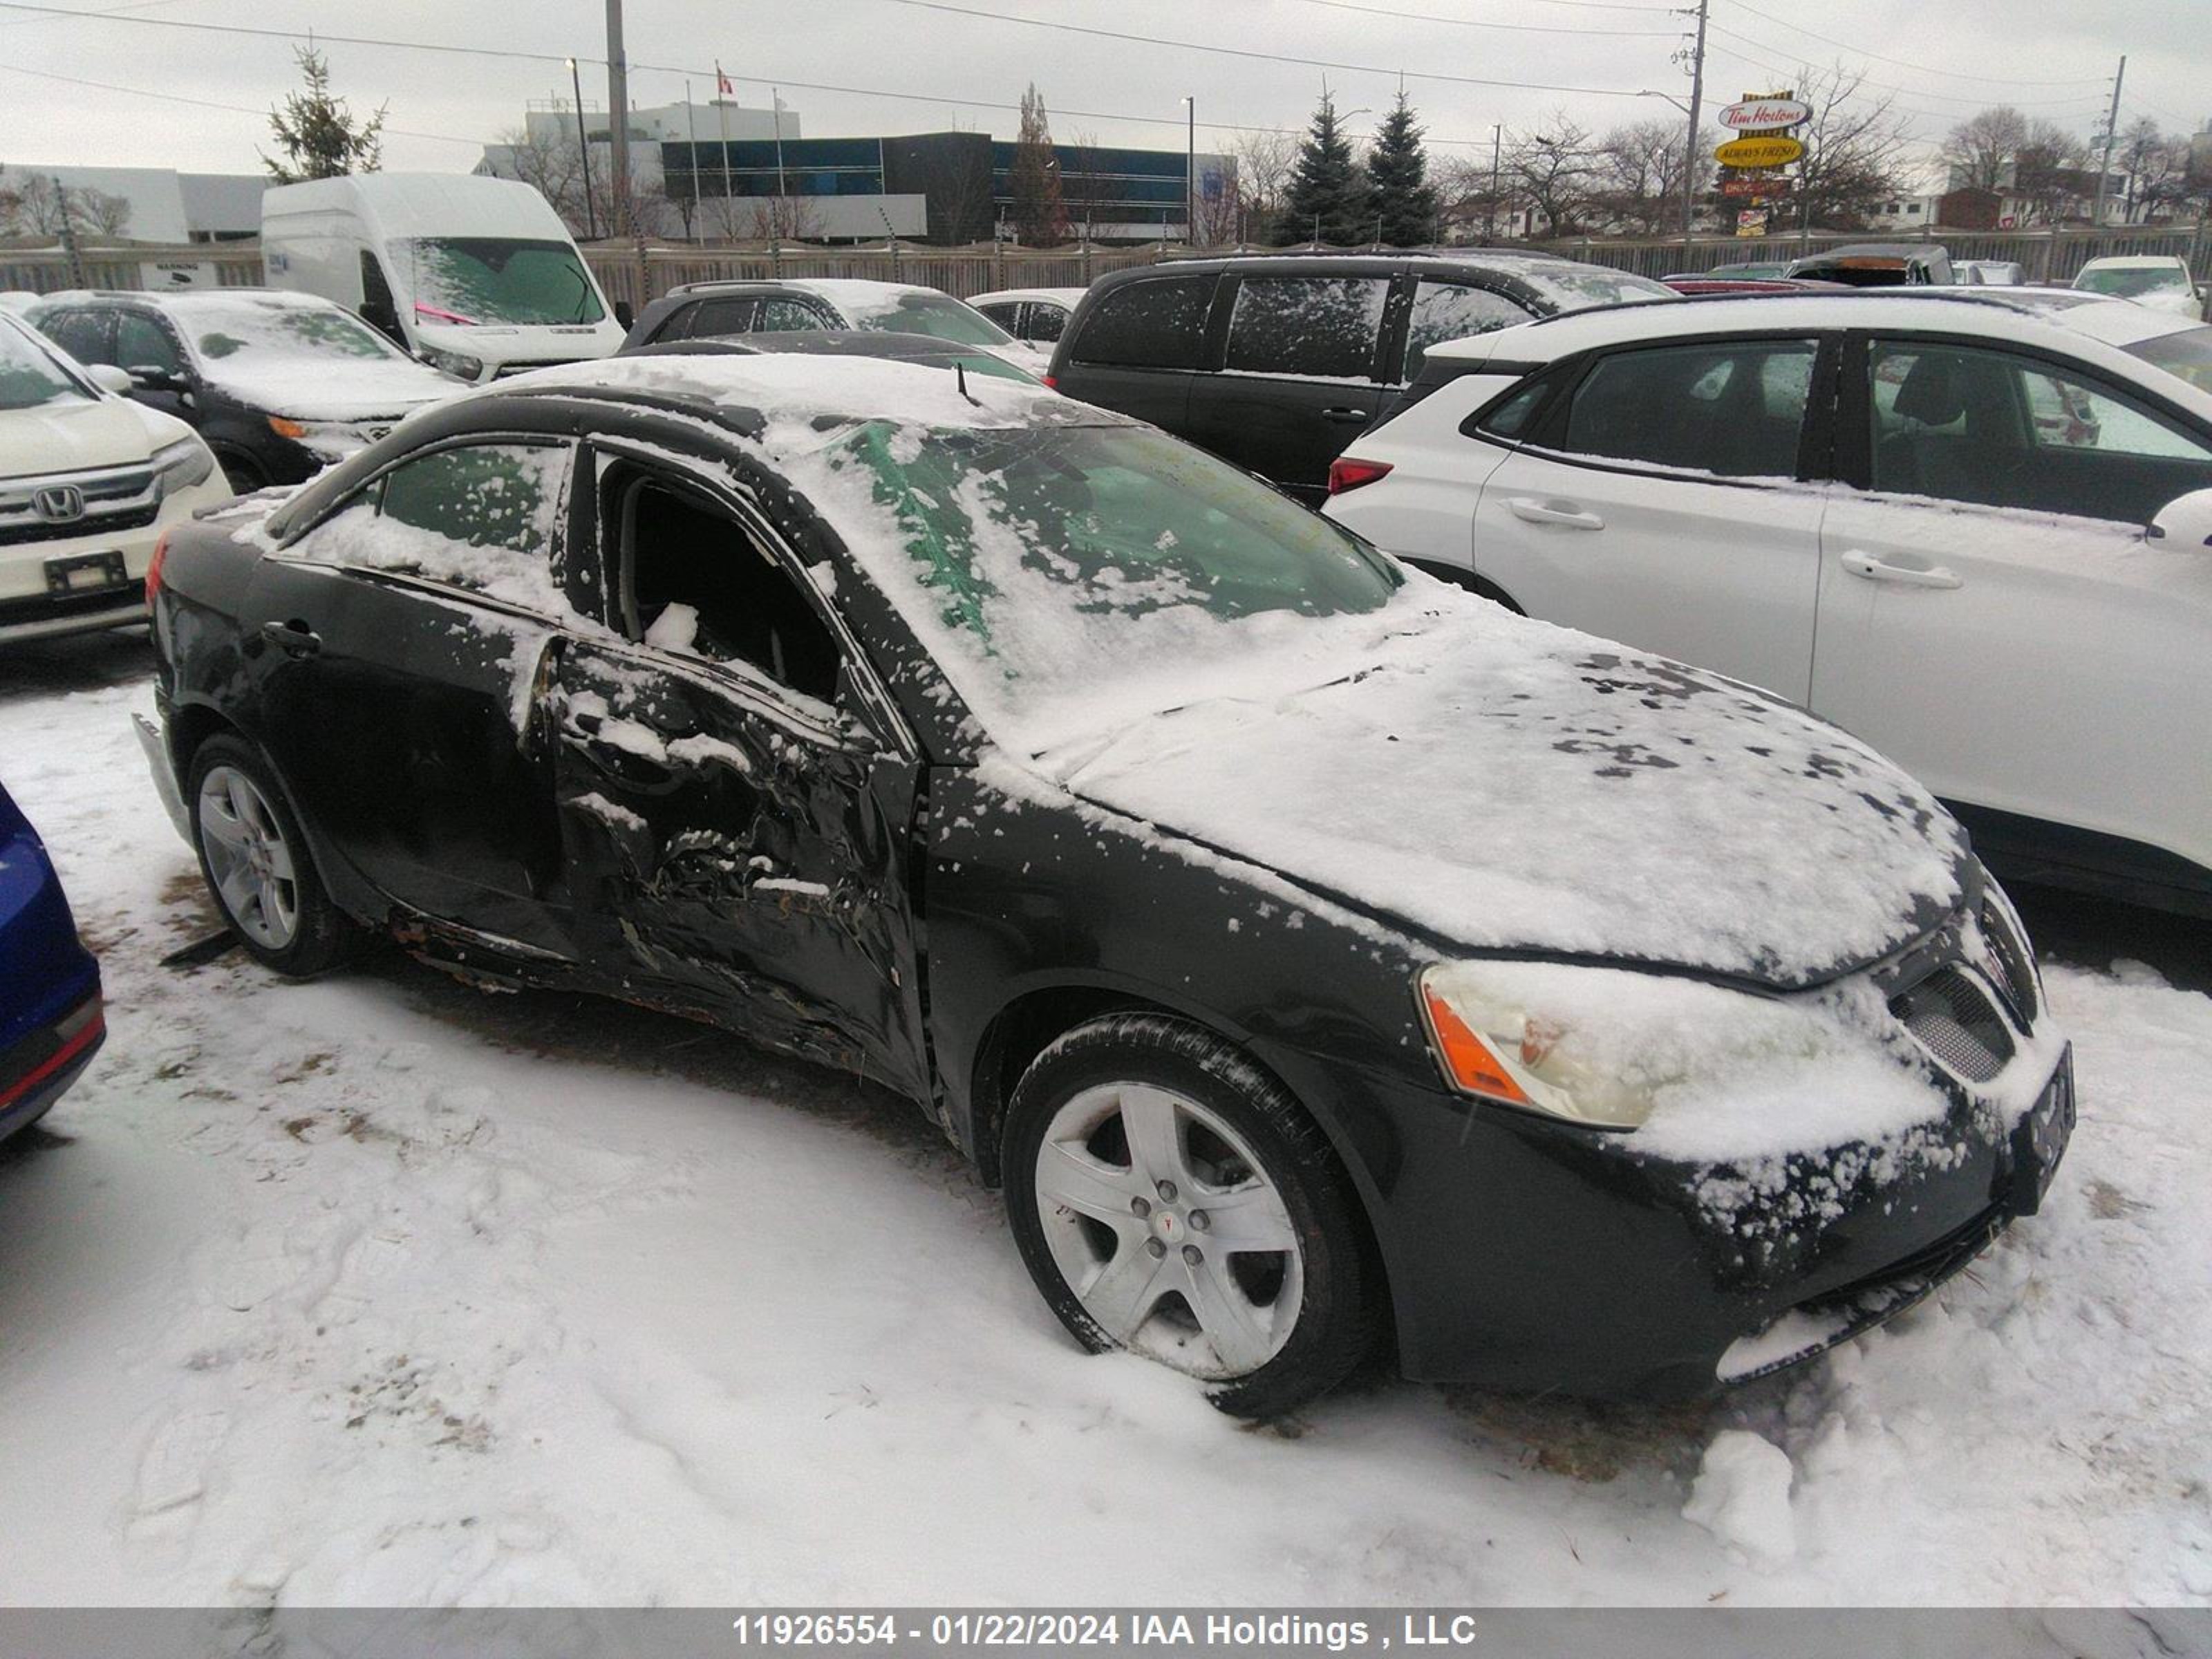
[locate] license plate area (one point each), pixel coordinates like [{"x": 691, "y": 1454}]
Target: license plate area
[
  {"x": 2040, "y": 1141},
  {"x": 88, "y": 572}
]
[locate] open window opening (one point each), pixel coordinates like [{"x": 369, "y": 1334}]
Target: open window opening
[{"x": 696, "y": 581}]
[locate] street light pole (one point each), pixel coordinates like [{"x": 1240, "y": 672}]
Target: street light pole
[
  {"x": 1190, "y": 176},
  {"x": 1490, "y": 212},
  {"x": 584, "y": 150}
]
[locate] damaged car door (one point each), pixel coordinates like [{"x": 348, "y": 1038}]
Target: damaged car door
[{"x": 735, "y": 810}]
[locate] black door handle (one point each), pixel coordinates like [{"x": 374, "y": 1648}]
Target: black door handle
[{"x": 293, "y": 638}]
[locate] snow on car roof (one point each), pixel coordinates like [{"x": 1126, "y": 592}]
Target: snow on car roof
[
  {"x": 793, "y": 391},
  {"x": 1967, "y": 311},
  {"x": 1066, "y": 296}
]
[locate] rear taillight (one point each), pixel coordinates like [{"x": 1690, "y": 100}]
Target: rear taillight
[
  {"x": 1051, "y": 382},
  {"x": 1346, "y": 472},
  {"x": 153, "y": 569}
]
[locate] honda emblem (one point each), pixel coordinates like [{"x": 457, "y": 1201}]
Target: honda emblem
[{"x": 58, "y": 503}]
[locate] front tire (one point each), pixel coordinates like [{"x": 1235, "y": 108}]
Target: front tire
[
  {"x": 257, "y": 863},
  {"x": 1171, "y": 1199}
]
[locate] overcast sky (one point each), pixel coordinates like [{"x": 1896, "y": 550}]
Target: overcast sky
[{"x": 2051, "y": 58}]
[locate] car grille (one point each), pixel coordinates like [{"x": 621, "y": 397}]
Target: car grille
[
  {"x": 112, "y": 499},
  {"x": 1953, "y": 1019}
]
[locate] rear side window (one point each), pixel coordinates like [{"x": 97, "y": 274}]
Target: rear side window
[
  {"x": 778, "y": 315},
  {"x": 1005, "y": 312},
  {"x": 84, "y": 334},
  {"x": 1047, "y": 323},
  {"x": 1324, "y": 327},
  {"x": 711, "y": 318},
  {"x": 1734, "y": 408},
  {"x": 1452, "y": 311},
  {"x": 480, "y": 516},
  {"x": 1159, "y": 322}
]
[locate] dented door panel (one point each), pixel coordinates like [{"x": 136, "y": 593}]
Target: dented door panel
[{"x": 740, "y": 858}]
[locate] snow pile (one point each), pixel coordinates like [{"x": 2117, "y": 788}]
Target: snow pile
[{"x": 1742, "y": 1497}]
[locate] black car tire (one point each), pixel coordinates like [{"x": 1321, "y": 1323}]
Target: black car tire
[
  {"x": 243, "y": 476},
  {"x": 324, "y": 935},
  {"x": 1335, "y": 1324}
]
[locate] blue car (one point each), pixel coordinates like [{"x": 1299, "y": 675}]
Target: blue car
[{"x": 50, "y": 1019}]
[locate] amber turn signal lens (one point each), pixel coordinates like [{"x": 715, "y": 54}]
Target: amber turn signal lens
[
  {"x": 1468, "y": 1059},
  {"x": 286, "y": 428}
]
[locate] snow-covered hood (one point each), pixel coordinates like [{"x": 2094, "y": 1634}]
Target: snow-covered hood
[
  {"x": 79, "y": 434},
  {"x": 334, "y": 388},
  {"x": 496, "y": 344},
  {"x": 1502, "y": 785}
]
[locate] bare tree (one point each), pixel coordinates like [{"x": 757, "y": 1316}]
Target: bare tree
[
  {"x": 785, "y": 219},
  {"x": 1263, "y": 162},
  {"x": 1981, "y": 149},
  {"x": 554, "y": 167},
  {"x": 1856, "y": 150},
  {"x": 36, "y": 204},
  {"x": 2050, "y": 172},
  {"x": 1553, "y": 170},
  {"x": 1639, "y": 174}
]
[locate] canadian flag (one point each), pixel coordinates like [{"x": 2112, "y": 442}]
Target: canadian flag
[{"x": 722, "y": 82}]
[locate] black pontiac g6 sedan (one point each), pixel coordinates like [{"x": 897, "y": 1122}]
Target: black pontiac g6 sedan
[{"x": 1307, "y": 948}]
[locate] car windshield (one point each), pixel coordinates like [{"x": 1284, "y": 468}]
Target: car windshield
[
  {"x": 2187, "y": 353},
  {"x": 262, "y": 332},
  {"x": 934, "y": 314},
  {"x": 1573, "y": 288},
  {"x": 497, "y": 279},
  {"x": 1064, "y": 566},
  {"x": 2131, "y": 282},
  {"x": 29, "y": 378}
]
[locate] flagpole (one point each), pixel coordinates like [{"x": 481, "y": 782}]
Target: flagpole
[
  {"x": 722, "y": 125},
  {"x": 691, "y": 132}
]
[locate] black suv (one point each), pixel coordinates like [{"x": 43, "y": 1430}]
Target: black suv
[{"x": 1277, "y": 361}]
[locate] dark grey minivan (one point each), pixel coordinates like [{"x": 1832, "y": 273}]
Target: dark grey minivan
[{"x": 1277, "y": 361}]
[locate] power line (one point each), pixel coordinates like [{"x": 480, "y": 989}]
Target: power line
[
  {"x": 105, "y": 11},
  {"x": 1516, "y": 28},
  {"x": 1267, "y": 57},
  {"x": 1899, "y": 63},
  {"x": 205, "y": 103}
]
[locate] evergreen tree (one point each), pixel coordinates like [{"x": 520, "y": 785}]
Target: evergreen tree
[
  {"x": 317, "y": 133},
  {"x": 1400, "y": 196},
  {"x": 1040, "y": 215},
  {"x": 1327, "y": 192}
]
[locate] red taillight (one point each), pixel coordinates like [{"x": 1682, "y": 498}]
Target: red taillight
[
  {"x": 153, "y": 569},
  {"x": 1346, "y": 473},
  {"x": 1050, "y": 383}
]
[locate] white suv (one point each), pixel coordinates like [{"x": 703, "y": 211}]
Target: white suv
[
  {"x": 89, "y": 480},
  {"x": 1976, "y": 531}
]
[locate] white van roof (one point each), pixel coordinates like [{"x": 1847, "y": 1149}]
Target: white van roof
[{"x": 400, "y": 204}]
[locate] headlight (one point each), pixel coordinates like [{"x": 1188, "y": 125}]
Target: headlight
[
  {"x": 183, "y": 464},
  {"x": 453, "y": 362},
  {"x": 1700, "y": 1069}
]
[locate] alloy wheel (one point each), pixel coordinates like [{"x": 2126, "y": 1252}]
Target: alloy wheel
[
  {"x": 250, "y": 862},
  {"x": 1169, "y": 1230}
]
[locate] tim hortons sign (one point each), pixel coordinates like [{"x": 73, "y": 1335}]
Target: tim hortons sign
[{"x": 1767, "y": 115}]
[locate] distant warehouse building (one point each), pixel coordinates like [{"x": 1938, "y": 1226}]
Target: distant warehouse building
[{"x": 716, "y": 169}]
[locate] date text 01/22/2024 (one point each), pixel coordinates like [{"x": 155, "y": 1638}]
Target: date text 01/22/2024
[{"x": 1167, "y": 1632}]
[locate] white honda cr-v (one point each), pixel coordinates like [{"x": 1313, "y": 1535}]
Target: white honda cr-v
[
  {"x": 1974, "y": 529},
  {"x": 88, "y": 480}
]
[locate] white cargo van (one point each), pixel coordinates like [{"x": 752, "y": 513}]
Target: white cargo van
[{"x": 477, "y": 276}]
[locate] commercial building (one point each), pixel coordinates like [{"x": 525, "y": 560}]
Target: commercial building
[
  {"x": 135, "y": 205},
  {"x": 717, "y": 168}
]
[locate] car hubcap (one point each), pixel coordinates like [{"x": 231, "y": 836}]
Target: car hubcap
[
  {"x": 1168, "y": 1230},
  {"x": 249, "y": 859}
]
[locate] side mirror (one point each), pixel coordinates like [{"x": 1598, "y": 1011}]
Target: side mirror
[
  {"x": 147, "y": 378},
  {"x": 624, "y": 316},
  {"x": 108, "y": 378},
  {"x": 2183, "y": 522}
]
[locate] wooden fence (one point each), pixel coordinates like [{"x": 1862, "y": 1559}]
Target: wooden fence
[{"x": 640, "y": 272}]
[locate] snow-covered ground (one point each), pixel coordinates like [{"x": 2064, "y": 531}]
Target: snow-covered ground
[{"x": 383, "y": 1291}]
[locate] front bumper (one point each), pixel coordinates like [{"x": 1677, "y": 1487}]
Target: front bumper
[
  {"x": 37, "y": 598},
  {"x": 1532, "y": 1257}
]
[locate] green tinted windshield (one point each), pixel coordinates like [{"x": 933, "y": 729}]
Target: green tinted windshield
[
  {"x": 938, "y": 315},
  {"x": 1065, "y": 551},
  {"x": 496, "y": 279},
  {"x": 2186, "y": 352},
  {"x": 2133, "y": 282}
]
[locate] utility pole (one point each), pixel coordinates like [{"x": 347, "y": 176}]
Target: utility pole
[
  {"x": 1489, "y": 211},
  {"x": 618, "y": 116},
  {"x": 67, "y": 233},
  {"x": 1190, "y": 176},
  {"x": 584, "y": 152},
  {"x": 1696, "y": 113},
  {"x": 2112, "y": 132}
]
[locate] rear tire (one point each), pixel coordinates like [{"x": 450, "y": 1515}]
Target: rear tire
[
  {"x": 1137, "y": 1147},
  {"x": 257, "y": 863},
  {"x": 244, "y": 476}
]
